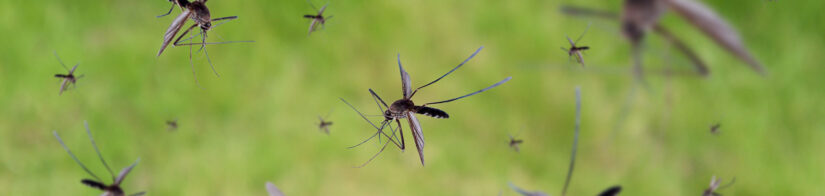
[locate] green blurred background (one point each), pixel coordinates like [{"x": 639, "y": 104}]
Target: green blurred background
[{"x": 256, "y": 122}]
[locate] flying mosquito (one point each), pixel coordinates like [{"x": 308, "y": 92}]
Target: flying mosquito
[
  {"x": 612, "y": 191},
  {"x": 67, "y": 79},
  {"x": 108, "y": 190},
  {"x": 199, "y": 14},
  {"x": 406, "y": 108},
  {"x": 273, "y": 190},
  {"x": 714, "y": 186},
  {"x": 172, "y": 125},
  {"x": 515, "y": 142},
  {"x": 577, "y": 50},
  {"x": 323, "y": 124},
  {"x": 714, "y": 129},
  {"x": 317, "y": 18}
]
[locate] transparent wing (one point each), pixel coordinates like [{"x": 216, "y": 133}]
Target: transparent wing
[
  {"x": 124, "y": 172},
  {"x": 713, "y": 25},
  {"x": 173, "y": 30},
  {"x": 579, "y": 57},
  {"x": 273, "y": 190},
  {"x": 320, "y": 12},
  {"x": 418, "y": 135},
  {"x": 312, "y": 26},
  {"x": 406, "y": 84},
  {"x": 73, "y": 68},
  {"x": 63, "y": 85}
]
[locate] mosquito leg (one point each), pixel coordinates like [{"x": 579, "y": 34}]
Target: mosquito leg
[
  {"x": 402, "y": 135},
  {"x": 203, "y": 47},
  {"x": 89, "y": 132},
  {"x": 378, "y": 153},
  {"x": 167, "y": 13},
  {"x": 74, "y": 157},
  {"x": 448, "y": 73}
]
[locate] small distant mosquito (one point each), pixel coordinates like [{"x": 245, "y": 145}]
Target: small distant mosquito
[
  {"x": 67, "y": 79},
  {"x": 172, "y": 125},
  {"x": 273, "y": 190},
  {"x": 198, "y": 13},
  {"x": 317, "y": 18},
  {"x": 612, "y": 191},
  {"x": 515, "y": 142},
  {"x": 577, "y": 50},
  {"x": 715, "y": 128},
  {"x": 714, "y": 186},
  {"x": 108, "y": 190},
  {"x": 405, "y": 108},
  {"x": 527, "y": 193},
  {"x": 323, "y": 124}
]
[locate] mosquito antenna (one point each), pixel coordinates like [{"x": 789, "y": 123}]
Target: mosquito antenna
[
  {"x": 61, "y": 61},
  {"x": 448, "y": 73},
  {"x": 89, "y": 132},
  {"x": 74, "y": 157},
  {"x": 585, "y": 32},
  {"x": 378, "y": 153},
  {"x": 479, "y": 91},
  {"x": 575, "y": 141}
]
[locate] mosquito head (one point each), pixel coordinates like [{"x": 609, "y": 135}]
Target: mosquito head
[{"x": 206, "y": 26}]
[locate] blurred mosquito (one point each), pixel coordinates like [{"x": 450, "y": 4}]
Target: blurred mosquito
[
  {"x": 714, "y": 129},
  {"x": 67, "y": 79},
  {"x": 172, "y": 125},
  {"x": 108, "y": 190},
  {"x": 199, "y": 14},
  {"x": 317, "y": 18},
  {"x": 273, "y": 190},
  {"x": 405, "y": 108},
  {"x": 612, "y": 191},
  {"x": 714, "y": 186},
  {"x": 576, "y": 51},
  {"x": 323, "y": 124},
  {"x": 526, "y": 192},
  {"x": 515, "y": 142}
]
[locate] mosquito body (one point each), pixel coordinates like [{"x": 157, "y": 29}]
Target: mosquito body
[
  {"x": 714, "y": 129},
  {"x": 113, "y": 189},
  {"x": 405, "y": 108},
  {"x": 68, "y": 78},
  {"x": 514, "y": 143},
  {"x": 576, "y": 51},
  {"x": 324, "y": 125},
  {"x": 317, "y": 18},
  {"x": 199, "y": 14},
  {"x": 714, "y": 186},
  {"x": 172, "y": 125}
]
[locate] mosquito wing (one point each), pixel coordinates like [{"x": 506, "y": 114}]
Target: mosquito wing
[
  {"x": 418, "y": 135},
  {"x": 312, "y": 26},
  {"x": 572, "y": 44},
  {"x": 73, "y": 68},
  {"x": 713, "y": 25},
  {"x": 321, "y": 12},
  {"x": 63, "y": 85},
  {"x": 124, "y": 172},
  {"x": 173, "y": 29},
  {"x": 273, "y": 190},
  {"x": 406, "y": 85},
  {"x": 580, "y": 58}
]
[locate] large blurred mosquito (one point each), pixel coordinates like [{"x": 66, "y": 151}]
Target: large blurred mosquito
[
  {"x": 273, "y": 190},
  {"x": 198, "y": 13},
  {"x": 67, "y": 79},
  {"x": 576, "y": 51},
  {"x": 108, "y": 190},
  {"x": 405, "y": 108},
  {"x": 714, "y": 186},
  {"x": 317, "y": 18},
  {"x": 324, "y": 124}
]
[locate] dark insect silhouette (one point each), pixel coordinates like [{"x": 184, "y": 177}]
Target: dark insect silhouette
[
  {"x": 273, "y": 190},
  {"x": 714, "y": 186},
  {"x": 576, "y": 51},
  {"x": 406, "y": 108},
  {"x": 172, "y": 125},
  {"x": 715, "y": 128},
  {"x": 641, "y": 16},
  {"x": 323, "y": 124},
  {"x": 317, "y": 18},
  {"x": 515, "y": 142},
  {"x": 113, "y": 189},
  {"x": 199, "y": 14},
  {"x": 612, "y": 191},
  {"x": 66, "y": 79}
]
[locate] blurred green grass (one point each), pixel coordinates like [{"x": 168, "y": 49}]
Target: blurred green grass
[{"x": 255, "y": 123}]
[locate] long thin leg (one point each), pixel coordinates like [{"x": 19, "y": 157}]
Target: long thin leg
[
  {"x": 402, "y": 134},
  {"x": 203, "y": 47},
  {"x": 378, "y": 153},
  {"x": 380, "y": 130},
  {"x": 61, "y": 61},
  {"x": 74, "y": 157},
  {"x": 167, "y": 13},
  {"x": 575, "y": 141},
  {"x": 582, "y": 35},
  {"x": 448, "y": 73},
  {"x": 477, "y": 92},
  {"x": 99, "y": 155}
]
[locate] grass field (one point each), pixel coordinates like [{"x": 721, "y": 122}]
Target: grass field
[{"x": 256, "y": 122}]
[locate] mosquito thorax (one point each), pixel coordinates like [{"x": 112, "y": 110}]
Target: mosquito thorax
[{"x": 401, "y": 106}]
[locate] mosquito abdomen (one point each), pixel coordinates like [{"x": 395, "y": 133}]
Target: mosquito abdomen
[
  {"x": 431, "y": 112},
  {"x": 93, "y": 184}
]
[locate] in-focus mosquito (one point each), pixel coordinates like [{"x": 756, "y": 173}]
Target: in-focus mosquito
[
  {"x": 172, "y": 125},
  {"x": 515, "y": 142},
  {"x": 612, "y": 191},
  {"x": 714, "y": 129},
  {"x": 317, "y": 18},
  {"x": 108, "y": 190},
  {"x": 406, "y": 108},
  {"x": 576, "y": 51},
  {"x": 714, "y": 186},
  {"x": 199, "y": 13},
  {"x": 67, "y": 79},
  {"x": 323, "y": 124},
  {"x": 273, "y": 190}
]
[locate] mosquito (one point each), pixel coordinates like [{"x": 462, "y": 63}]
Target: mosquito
[
  {"x": 317, "y": 18},
  {"x": 323, "y": 124},
  {"x": 273, "y": 190},
  {"x": 714, "y": 186},
  {"x": 714, "y": 129},
  {"x": 612, "y": 191},
  {"x": 577, "y": 50},
  {"x": 199, "y": 14},
  {"x": 67, "y": 79},
  {"x": 108, "y": 190},
  {"x": 172, "y": 125},
  {"x": 514, "y": 143},
  {"x": 406, "y": 108}
]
